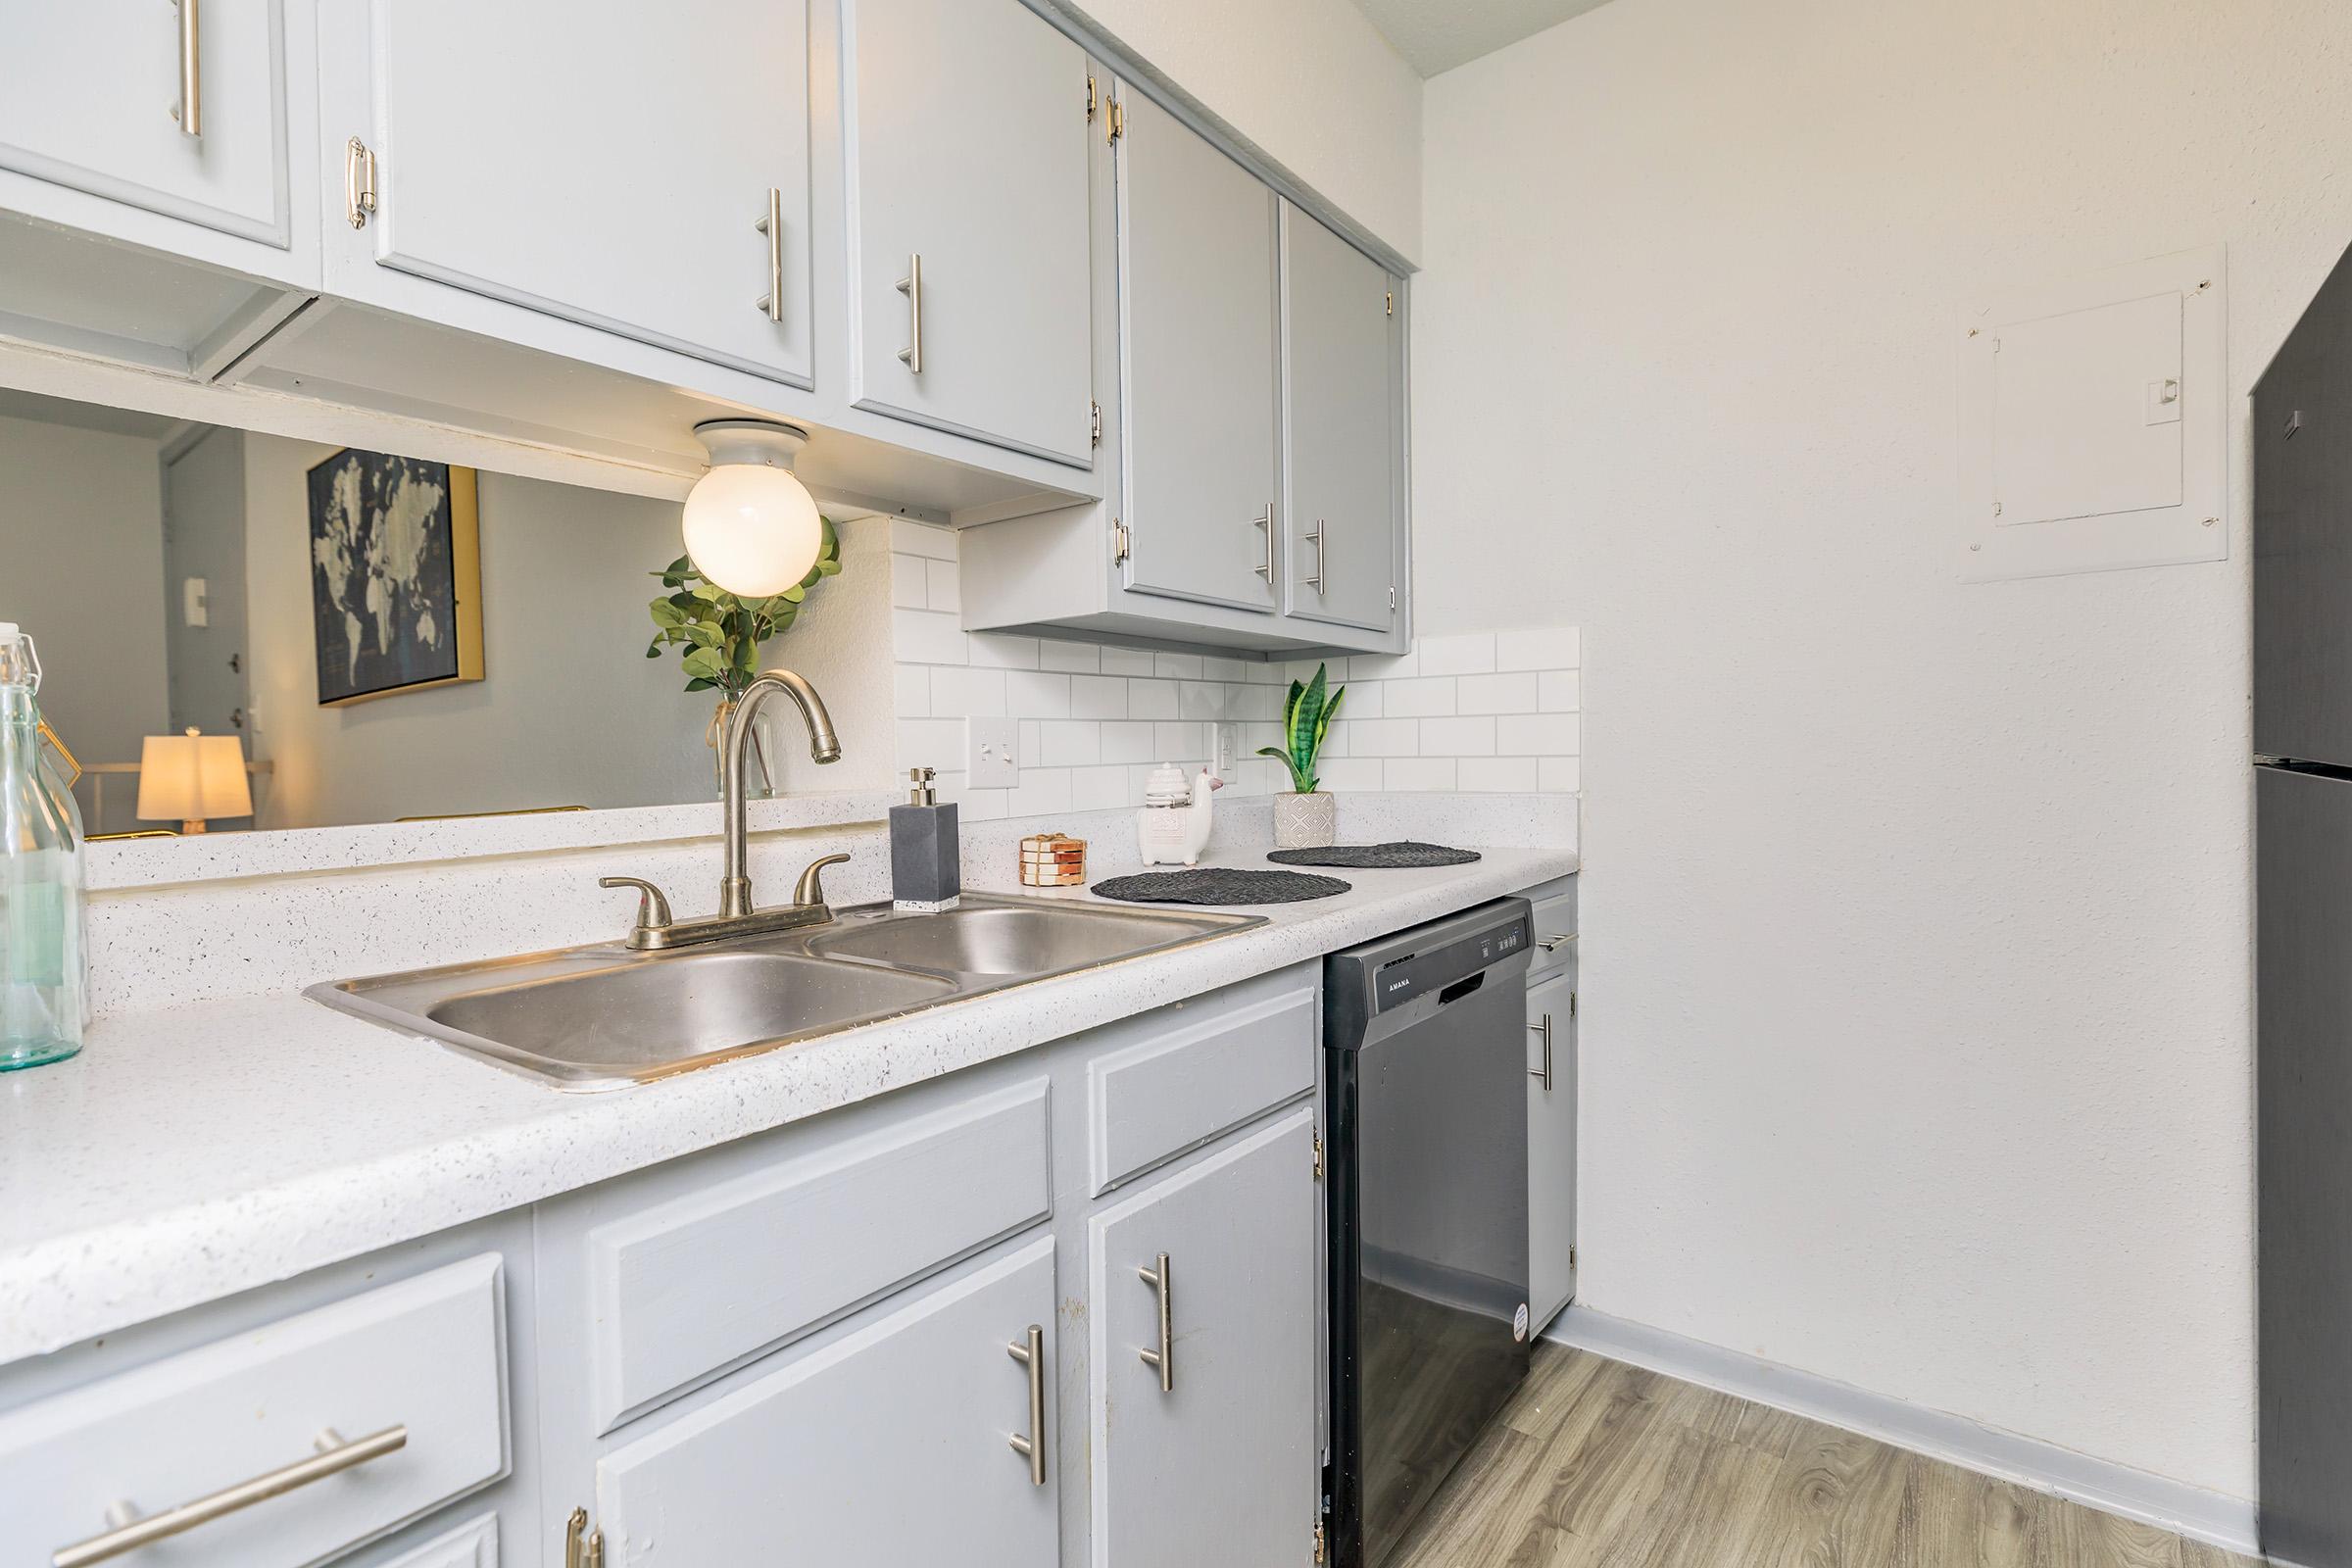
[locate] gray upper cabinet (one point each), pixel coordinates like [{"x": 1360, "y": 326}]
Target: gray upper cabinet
[
  {"x": 1205, "y": 1452},
  {"x": 970, "y": 247},
  {"x": 178, "y": 110},
  {"x": 643, "y": 169},
  {"x": 1197, "y": 321},
  {"x": 1342, "y": 374}
]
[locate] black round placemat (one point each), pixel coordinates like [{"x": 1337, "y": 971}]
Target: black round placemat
[
  {"x": 1219, "y": 885},
  {"x": 1375, "y": 856}
]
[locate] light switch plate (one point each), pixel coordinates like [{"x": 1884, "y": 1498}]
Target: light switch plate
[{"x": 988, "y": 759}]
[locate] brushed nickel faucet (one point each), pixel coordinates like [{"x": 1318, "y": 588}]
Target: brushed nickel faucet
[{"x": 738, "y": 916}]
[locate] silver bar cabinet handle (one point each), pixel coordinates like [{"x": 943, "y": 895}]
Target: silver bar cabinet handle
[
  {"x": 771, "y": 302},
  {"x": 1554, "y": 944},
  {"x": 1265, "y": 521},
  {"x": 1314, "y": 536},
  {"x": 1157, "y": 1279},
  {"x": 190, "y": 111},
  {"x": 911, "y": 285},
  {"x": 1032, "y": 1355},
  {"x": 1543, "y": 1073},
  {"x": 334, "y": 1455}
]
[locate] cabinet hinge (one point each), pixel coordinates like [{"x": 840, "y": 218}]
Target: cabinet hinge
[
  {"x": 1097, "y": 425},
  {"x": 358, "y": 183},
  {"x": 1318, "y": 1159},
  {"x": 1391, "y": 302},
  {"x": 582, "y": 1548},
  {"x": 1122, "y": 543},
  {"x": 1572, "y": 1261},
  {"x": 1571, "y": 1004},
  {"x": 1319, "y": 1546},
  {"x": 1118, "y": 121},
  {"x": 1090, "y": 97}
]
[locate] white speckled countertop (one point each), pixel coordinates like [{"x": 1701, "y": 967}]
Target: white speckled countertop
[{"x": 196, "y": 1150}]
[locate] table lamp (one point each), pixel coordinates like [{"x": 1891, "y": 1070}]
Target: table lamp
[{"x": 192, "y": 777}]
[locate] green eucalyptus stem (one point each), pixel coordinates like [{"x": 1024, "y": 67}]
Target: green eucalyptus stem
[{"x": 720, "y": 633}]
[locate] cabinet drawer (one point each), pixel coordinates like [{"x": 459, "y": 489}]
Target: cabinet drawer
[
  {"x": 798, "y": 1241},
  {"x": 1178, "y": 1090},
  {"x": 1555, "y": 917},
  {"x": 423, "y": 1357}
]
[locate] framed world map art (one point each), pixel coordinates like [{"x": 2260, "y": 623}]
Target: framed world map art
[{"x": 396, "y": 575}]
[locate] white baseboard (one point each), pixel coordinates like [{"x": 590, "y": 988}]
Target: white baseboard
[{"x": 2209, "y": 1516}]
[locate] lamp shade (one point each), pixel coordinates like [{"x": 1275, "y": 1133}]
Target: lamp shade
[
  {"x": 750, "y": 526},
  {"x": 187, "y": 778}
]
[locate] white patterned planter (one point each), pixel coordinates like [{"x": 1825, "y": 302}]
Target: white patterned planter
[{"x": 1305, "y": 822}]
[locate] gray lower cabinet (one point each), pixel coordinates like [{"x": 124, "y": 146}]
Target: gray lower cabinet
[
  {"x": 1202, "y": 1301},
  {"x": 1342, "y": 375},
  {"x": 1552, "y": 1104},
  {"x": 894, "y": 1444},
  {"x": 1197, "y": 318},
  {"x": 968, "y": 142}
]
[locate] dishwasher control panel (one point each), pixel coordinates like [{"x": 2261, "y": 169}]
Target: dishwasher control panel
[{"x": 1416, "y": 974}]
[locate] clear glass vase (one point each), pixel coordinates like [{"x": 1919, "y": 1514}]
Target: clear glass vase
[{"x": 41, "y": 975}]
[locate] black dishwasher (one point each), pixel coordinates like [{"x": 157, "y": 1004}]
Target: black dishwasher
[{"x": 1425, "y": 1078}]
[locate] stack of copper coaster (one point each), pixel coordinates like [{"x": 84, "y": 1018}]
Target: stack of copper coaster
[{"x": 1052, "y": 860}]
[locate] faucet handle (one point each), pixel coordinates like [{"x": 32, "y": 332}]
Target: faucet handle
[
  {"x": 653, "y": 910},
  {"x": 811, "y": 886}
]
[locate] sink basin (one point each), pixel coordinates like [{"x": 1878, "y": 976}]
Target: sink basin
[
  {"x": 992, "y": 938},
  {"x": 600, "y": 1017}
]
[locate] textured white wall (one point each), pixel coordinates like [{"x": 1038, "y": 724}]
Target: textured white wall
[
  {"x": 1311, "y": 83},
  {"x": 1916, "y": 1041}
]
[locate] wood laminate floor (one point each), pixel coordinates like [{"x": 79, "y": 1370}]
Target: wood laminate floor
[{"x": 1596, "y": 1464}]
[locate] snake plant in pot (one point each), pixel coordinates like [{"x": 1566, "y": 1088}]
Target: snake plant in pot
[{"x": 1305, "y": 818}]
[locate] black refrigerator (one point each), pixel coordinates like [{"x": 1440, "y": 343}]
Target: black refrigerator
[{"x": 2303, "y": 931}]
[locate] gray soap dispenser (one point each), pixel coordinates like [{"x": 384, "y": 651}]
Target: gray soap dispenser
[{"x": 926, "y": 866}]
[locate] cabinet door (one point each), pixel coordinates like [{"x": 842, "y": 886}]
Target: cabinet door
[
  {"x": 607, "y": 161},
  {"x": 891, "y": 1445},
  {"x": 1198, "y": 307},
  {"x": 1551, "y": 1143},
  {"x": 968, "y": 156},
  {"x": 1216, "y": 1463},
  {"x": 91, "y": 96},
  {"x": 1341, "y": 368}
]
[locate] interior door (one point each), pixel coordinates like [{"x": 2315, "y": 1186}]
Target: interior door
[
  {"x": 968, "y": 147},
  {"x": 607, "y": 161},
  {"x": 91, "y": 96},
  {"x": 204, "y": 543},
  {"x": 1219, "y": 1464},
  {"x": 1342, "y": 368},
  {"x": 1198, "y": 307},
  {"x": 891, "y": 1445},
  {"x": 1551, "y": 1145},
  {"x": 2302, "y": 571}
]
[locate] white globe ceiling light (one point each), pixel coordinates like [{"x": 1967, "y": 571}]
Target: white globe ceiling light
[{"x": 750, "y": 526}]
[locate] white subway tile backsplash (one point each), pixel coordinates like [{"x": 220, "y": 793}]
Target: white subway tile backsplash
[
  {"x": 1069, "y": 742},
  {"x": 984, "y": 806},
  {"x": 1563, "y": 691},
  {"x": 1457, "y": 737},
  {"x": 1562, "y": 774},
  {"x": 1383, "y": 666},
  {"x": 1099, "y": 789},
  {"x": 1417, "y": 773},
  {"x": 1176, "y": 743},
  {"x": 1000, "y": 650},
  {"x": 1264, "y": 673},
  {"x": 910, "y": 582},
  {"x": 1362, "y": 699},
  {"x": 1213, "y": 667},
  {"x": 911, "y": 691},
  {"x": 928, "y": 637},
  {"x": 946, "y": 591},
  {"x": 1035, "y": 694},
  {"x": 1126, "y": 661},
  {"x": 1423, "y": 697},
  {"x": 1178, "y": 666},
  {"x": 1538, "y": 735},
  {"x": 1028, "y": 743},
  {"x": 1127, "y": 741},
  {"x": 1496, "y": 693},
  {"x": 1199, "y": 699},
  {"x": 1464, "y": 654},
  {"x": 960, "y": 692},
  {"x": 1348, "y": 773},
  {"x": 930, "y": 743},
  {"x": 1382, "y": 737},
  {"x": 1536, "y": 648},
  {"x": 1503, "y": 775},
  {"x": 1151, "y": 699},
  {"x": 911, "y": 538},
  {"x": 1098, "y": 697},
  {"x": 1039, "y": 791},
  {"x": 1074, "y": 657}
]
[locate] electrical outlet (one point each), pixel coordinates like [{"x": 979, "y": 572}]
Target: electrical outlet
[
  {"x": 1222, "y": 743},
  {"x": 989, "y": 759}
]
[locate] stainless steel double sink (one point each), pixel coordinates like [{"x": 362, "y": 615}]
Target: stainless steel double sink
[{"x": 601, "y": 1016}]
